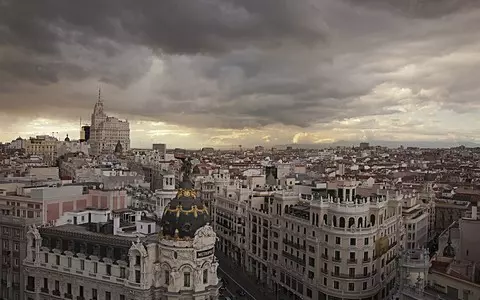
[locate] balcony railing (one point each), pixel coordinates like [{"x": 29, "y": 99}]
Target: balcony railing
[
  {"x": 294, "y": 245},
  {"x": 351, "y": 276},
  {"x": 324, "y": 256},
  {"x": 336, "y": 259},
  {"x": 294, "y": 258},
  {"x": 31, "y": 288},
  {"x": 366, "y": 260},
  {"x": 352, "y": 261}
]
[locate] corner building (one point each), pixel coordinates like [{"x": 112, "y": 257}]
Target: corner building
[
  {"x": 105, "y": 258},
  {"x": 325, "y": 244}
]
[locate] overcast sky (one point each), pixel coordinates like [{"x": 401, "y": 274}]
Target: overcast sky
[{"x": 228, "y": 72}]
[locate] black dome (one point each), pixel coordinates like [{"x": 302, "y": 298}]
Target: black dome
[
  {"x": 449, "y": 250},
  {"x": 185, "y": 213}
]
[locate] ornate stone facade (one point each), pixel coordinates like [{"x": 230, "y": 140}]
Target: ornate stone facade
[{"x": 68, "y": 263}]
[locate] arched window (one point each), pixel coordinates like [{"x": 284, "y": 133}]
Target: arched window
[
  {"x": 286, "y": 209},
  {"x": 351, "y": 222},
  {"x": 317, "y": 217},
  {"x": 360, "y": 222},
  {"x": 372, "y": 220},
  {"x": 342, "y": 222},
  {"x": 325, "y": 219},
  {"x": 334, "y": 221}
]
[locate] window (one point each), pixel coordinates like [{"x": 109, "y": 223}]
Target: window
[
  {"x": 122, "y": 273},
  {"x": 351, "y": 286},
  {"x": 186, "y": 279},
  {"x": 336, "y": 270},
  {"x": 365, "y": 285},
  {"x": 95, "y": 267},
  {"x": 336, "y": 285},
  {"x": 57, "y": 260},
  {"x": 326, "y": 238},
  {"x": 57, "y": 285},
  {"x": 167, "y": 277},
  {"x": 80, "y": 291},
  {"x": 108, "y": 269},
  {"x": 122, "y": 297},
  {"x": 15, "y": 246},
  {"x": 69, "y": 260},
  {"x": 337, "y": 255},
  {"x": 45, "y": 283},
  {"x": 108, "y": 296},
  {"x": 205, "y": 276},
  {"x": 46, "y": 258},
  {"x": 94, "y": 294},
  {"x": 353, "y": 241},
  {"x": 309, "y": 293},
  {"x": 311, "y": 249},
  {"x": 82, "y": 265},
  {"x": 311, "y": 261},
  {"x": 137, "y": 276},
  {"x": 337, "y": 240},
  {"x": 325, "y": 281},
  {"x": 69, "y": 288},
  {"x": 366, "y": 241}
]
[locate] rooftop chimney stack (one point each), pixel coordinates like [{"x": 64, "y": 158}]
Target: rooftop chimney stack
[{"x": 116, "y": 223}]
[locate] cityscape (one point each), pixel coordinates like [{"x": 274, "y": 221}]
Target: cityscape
[
  {"x": 239, "y": 150},
  {"x": 96, "y": 219}
]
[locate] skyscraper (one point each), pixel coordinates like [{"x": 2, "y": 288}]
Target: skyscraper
[{"x": 106, "y": 132}]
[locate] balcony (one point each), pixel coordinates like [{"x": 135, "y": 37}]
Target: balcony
[
  {"x": 336, "y": 259},
  {"x": 68, "y": 296},
  {"x": 324, "y": 271},
  {"x": 294, "y": 258},
  {"x": 352, "y": 261},
  {"x": 80, "y": 298},
  {"x": 31, "y": 288},
  {"x": 294, "y": 245},
  {"x": 325, "y": 256},
  {"x": 56, "y": 293},
  {"x": 44, "y": 290},
  {"x": 350, "y": 276},
  {"x": 366, "y": 260}
]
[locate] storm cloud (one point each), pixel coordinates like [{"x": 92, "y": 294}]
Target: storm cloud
[{"x": 239, "y": 63}]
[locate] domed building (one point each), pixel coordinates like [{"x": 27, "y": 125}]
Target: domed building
[
  {"x": 170, "y": 259},
  {"x": 187, "y": 244}
]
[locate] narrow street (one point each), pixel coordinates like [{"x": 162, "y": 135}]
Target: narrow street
[{"x": 239, "y": 280}]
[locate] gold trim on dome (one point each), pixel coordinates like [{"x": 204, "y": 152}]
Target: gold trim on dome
[
  {"x": 194, "y": 210},
  {"x": 189, "y": 193}
]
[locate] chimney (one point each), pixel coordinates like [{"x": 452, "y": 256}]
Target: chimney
[
  {"x": 474, "y": 211},
  {"x": 116, "y": 223},
  {"x": 138, "y": 215}
]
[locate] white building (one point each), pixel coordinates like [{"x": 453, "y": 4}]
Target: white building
[
  {"x": 120, "y": 255},
  {"x": 106, "y": 132},
  {"x": 329, "y": 244}
]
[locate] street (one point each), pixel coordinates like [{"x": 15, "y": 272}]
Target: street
[{"x": 239, "y": 280}]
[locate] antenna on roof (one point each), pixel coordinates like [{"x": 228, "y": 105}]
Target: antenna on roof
[{"x": 99, "y": 94}]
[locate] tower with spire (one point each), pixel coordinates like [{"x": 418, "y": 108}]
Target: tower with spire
[{"x": 106, "y": 132}]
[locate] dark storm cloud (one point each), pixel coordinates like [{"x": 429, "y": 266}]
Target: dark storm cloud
[{"x": 236, "y": 63}]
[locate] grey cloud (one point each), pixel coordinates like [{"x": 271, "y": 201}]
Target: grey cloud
[{"x": 239, "y": 63}]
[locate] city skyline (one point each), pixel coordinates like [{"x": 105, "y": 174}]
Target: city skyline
[{"x": 244, "y": 72}]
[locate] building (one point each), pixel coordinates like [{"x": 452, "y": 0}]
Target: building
[
  {"x": 44, "y": 146},
  {"x": 106, "y": 132},
  {"x": 85, "y": 133},
  {"x": 330, "y": 244},
  {"x": 120, "y": 254},
  {"x": 160, "y": 148}
]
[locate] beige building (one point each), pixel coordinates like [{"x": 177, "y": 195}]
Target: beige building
[
  {"x": 329, "y": 244},
  {"x": 43, "y": 145},
  {"x": 106, "y": 132}
]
